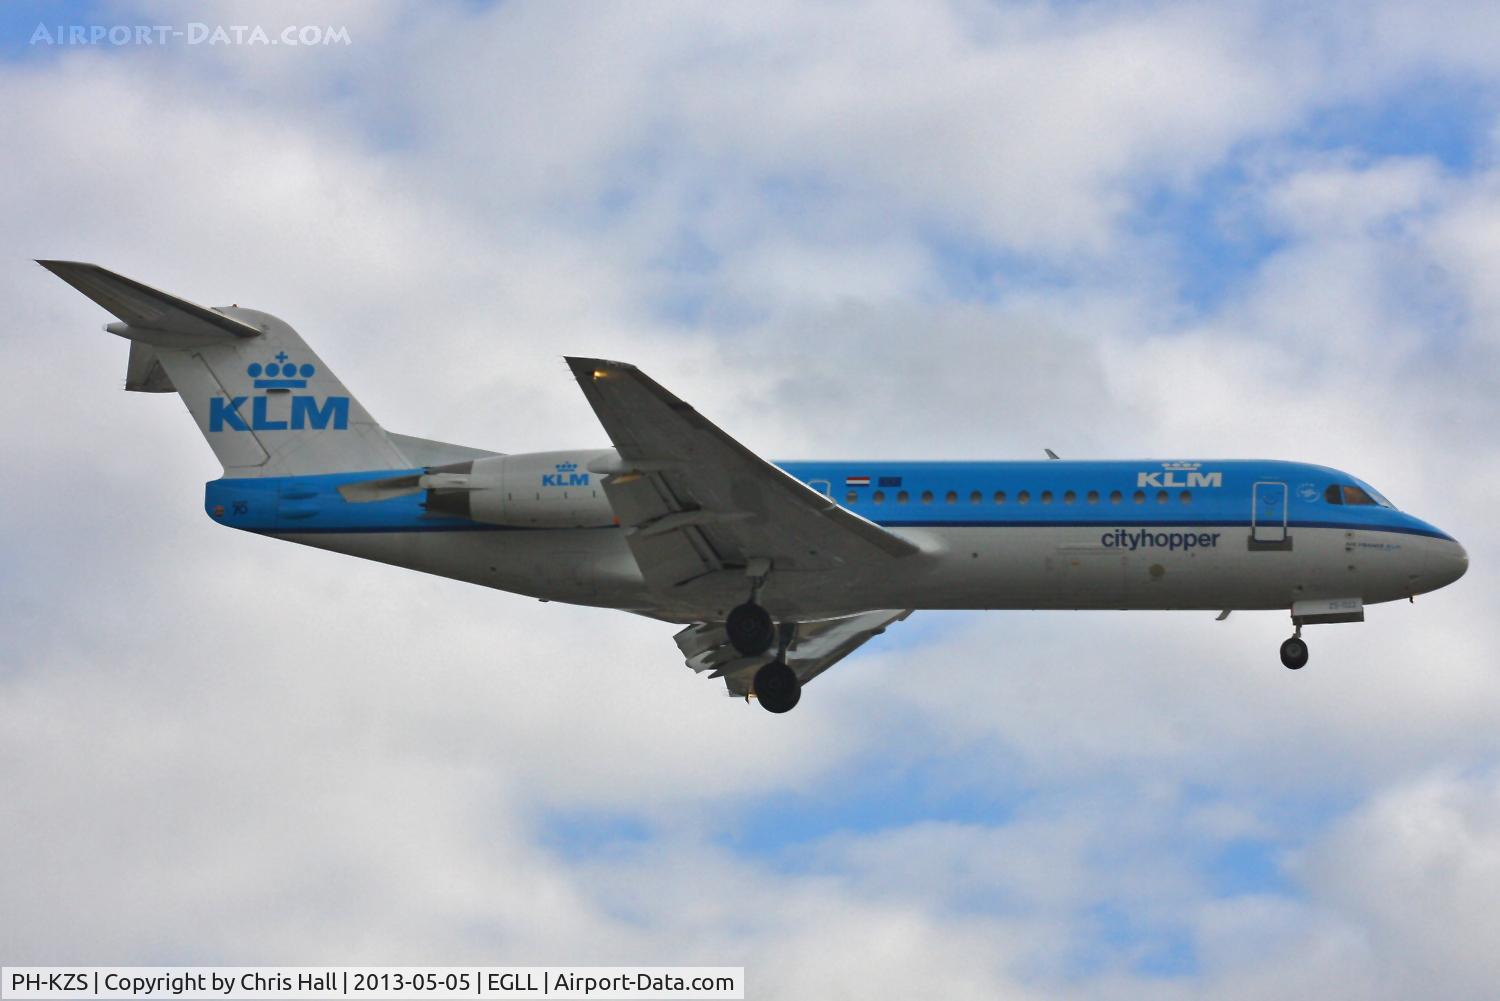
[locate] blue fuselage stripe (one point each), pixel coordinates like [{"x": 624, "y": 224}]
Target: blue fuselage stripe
[
  {"x": 1061, "y": 494},
  {"x": 1184, "y": 524}
]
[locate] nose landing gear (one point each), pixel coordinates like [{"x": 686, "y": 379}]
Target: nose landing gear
[
  {"x": 1317, "y": 611},
  {"x": 1294, "y": 652}
]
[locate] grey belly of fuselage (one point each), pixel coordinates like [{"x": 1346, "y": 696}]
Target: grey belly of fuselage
[{"x": 958, "y": 568}]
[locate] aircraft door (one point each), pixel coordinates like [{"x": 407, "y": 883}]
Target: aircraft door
[
  {"x": 1268, "y": 515},
  {"x": 822, "y": 486}
]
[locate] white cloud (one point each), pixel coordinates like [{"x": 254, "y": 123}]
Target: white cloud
[
  {"x": 1336, "y": 198},
  {"x": 1417, "y": 870}
]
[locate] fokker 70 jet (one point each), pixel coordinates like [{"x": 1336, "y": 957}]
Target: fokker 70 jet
[{"x": 775, "y": 571}]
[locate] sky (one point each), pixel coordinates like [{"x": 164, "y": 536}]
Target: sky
[{"x": 841, "y": 230}]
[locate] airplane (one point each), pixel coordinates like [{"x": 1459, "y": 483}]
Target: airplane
[{"x": 775, "y": 571}]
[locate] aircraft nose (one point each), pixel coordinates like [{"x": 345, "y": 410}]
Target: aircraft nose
[{"x": 1449, "y": 562}]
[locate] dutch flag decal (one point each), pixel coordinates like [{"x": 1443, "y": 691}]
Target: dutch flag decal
[{"x": 856, "y": 481}]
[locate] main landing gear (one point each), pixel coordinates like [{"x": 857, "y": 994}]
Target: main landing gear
[
  {"x": 750, "y": 629},
  {"x": 777, "y": 687},
  {"x": 752, "y": 633},
  {"x": 1294, "y": 651}
]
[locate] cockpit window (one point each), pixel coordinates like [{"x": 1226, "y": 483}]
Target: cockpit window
[{"x": 1349, "y": 493}]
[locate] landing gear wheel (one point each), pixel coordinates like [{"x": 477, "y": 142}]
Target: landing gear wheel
[
  {"x": 777, "y": 687},
  {"x": 750, "y": 629},
  {"x": 1294, "y": 653}
]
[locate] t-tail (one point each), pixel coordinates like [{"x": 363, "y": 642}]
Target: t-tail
[{"x": 267, "y": 404}]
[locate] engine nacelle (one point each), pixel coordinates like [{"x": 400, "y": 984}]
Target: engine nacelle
[{"x": 535, "y": 490}]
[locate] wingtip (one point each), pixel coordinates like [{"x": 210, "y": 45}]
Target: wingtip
[
  {"x": 63, "y": 268},
  {"x": 595, "y": 368}
]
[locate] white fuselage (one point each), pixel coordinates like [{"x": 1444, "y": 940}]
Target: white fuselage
[{"x": 982, "y": 568}]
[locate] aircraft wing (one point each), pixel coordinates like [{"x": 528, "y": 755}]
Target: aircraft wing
[
  {"x": 817, "y": 646},
  {"x": 695, "y": 502}
]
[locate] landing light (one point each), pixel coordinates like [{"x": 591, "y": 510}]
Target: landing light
[{"x": 600, "y": 373}]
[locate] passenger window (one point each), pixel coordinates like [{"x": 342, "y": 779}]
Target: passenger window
[
  {"x": 1093, "y": 496},
  {"x": 1140, "y": 497},
  {"x": 903, "y": 497},
  {"x": 1069, "y": 497},
  {"x": 1333, "y": 495},
  {"x": 952, "y": 497},
  {"x": 1115, "y": 497},
  {"x": 926, "y": 496},
  {"x": 878, "y": 497},
  {"x": 999, "y": 496},
  {"x": 1024, "y": 497},
  {"x": 1161, "y": 497},
  {"x": 976, "y": 497},
  {"x": 1186, "y": 497},
  {"x": 1046, "y": 496},
  {"x": 1354, "y": 495},
  {"x": 851, "y": 497}
]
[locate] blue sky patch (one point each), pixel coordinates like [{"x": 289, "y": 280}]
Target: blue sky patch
[
  {"x": 586, "y": 834},
  {"x": 1447, "y": 118}
]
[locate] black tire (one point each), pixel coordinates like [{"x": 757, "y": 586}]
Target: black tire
[
  {"x": 1294, "y": 653},
  {"x": 750, "y": 629},
  {"x": 777, "y": 687}
]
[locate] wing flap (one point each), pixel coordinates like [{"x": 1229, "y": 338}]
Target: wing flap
[{"x": 817, "y": 646}]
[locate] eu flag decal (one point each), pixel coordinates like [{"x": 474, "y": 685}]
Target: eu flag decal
[{"x": 889, "y": 481}]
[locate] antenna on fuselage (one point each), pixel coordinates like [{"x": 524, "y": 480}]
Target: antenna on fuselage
[{"x": 1050, "y": 454}]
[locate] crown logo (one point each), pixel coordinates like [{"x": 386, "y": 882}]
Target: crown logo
[
  {"x": 1182, "y": 465},
  {"x": 280, "y": 374},
  {"x": 567, "y": 467}
]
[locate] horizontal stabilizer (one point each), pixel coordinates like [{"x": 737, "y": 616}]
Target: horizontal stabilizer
[{"x": 145, "y": 308}]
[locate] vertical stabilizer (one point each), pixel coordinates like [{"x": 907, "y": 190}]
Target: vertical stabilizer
[{"x": 266, "y": 403}]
